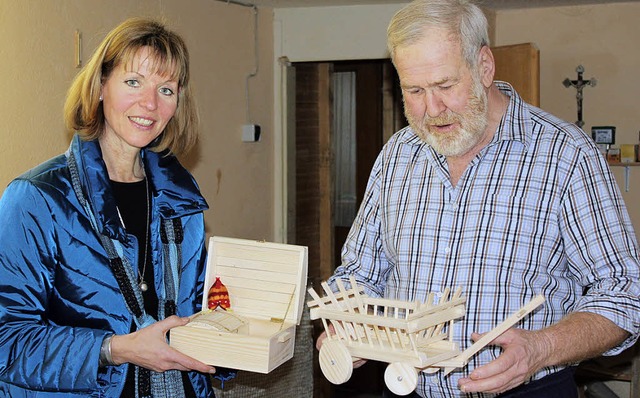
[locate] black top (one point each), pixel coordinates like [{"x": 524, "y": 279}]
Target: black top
[
  {"x": 132, "y": 199},
  {"x": 132, "y": 202}
]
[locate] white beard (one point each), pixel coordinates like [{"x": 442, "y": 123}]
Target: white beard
[{"x": 473, "y": 122}]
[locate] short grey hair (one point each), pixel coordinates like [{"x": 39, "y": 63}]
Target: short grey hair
[{"x": 462, "y": 18}]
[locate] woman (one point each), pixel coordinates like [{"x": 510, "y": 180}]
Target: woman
[{"x": 103, "y": 245}]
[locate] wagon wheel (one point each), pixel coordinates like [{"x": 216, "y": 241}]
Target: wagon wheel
[
  {"x": 335, "y": 361},
  {"x": 401, "y": 378}
]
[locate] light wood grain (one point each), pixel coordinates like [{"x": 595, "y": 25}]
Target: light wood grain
[
  {"x": 266, "y": 284},
  {"x": 410, "y": 336}
]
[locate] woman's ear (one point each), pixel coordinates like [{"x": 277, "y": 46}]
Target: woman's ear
[{"x": 486, "y": 66}]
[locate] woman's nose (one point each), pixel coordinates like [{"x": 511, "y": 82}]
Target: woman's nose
[{"x": 149, "y": 99}]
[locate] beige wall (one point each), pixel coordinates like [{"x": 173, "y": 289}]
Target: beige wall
[
  {"x": 241, "y": 180},
  {"x": 37, "y": 52},
  {"x": 602, "y": 38}
]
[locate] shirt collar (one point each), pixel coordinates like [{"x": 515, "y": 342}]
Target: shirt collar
[{"x": 516, "y": 121}]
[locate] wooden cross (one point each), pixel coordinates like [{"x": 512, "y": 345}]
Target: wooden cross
[{"x": 579, "y": 85}]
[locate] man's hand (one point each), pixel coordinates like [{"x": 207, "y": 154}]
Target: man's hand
[
  {"x": 148, "y": 348},
  {"x": 523, "y": 354},
  {"x": 578, "y": 336}
]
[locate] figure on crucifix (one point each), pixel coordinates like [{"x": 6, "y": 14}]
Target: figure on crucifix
[{"x": 579, "y": 84}]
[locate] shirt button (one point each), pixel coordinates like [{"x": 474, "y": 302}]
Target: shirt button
[{"x": 447, "y": 250}]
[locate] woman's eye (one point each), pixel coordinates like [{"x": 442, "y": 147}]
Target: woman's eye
[
  {"x": 166, "y": 91},
  {"x": 132, "y": 83}
]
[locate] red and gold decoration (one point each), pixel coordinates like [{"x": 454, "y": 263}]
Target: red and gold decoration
[{"x": 218, "y": 296}]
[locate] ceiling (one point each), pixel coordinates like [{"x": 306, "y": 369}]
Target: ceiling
[{"x": 490, "y": 4}]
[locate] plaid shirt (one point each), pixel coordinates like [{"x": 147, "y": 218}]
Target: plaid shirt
[{"x": 537, "y": 211}]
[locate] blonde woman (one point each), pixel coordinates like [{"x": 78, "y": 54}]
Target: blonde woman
[{"x": 103, "y": 247}]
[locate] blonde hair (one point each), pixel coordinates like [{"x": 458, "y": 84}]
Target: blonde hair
[
  {"x": 83, "y": 109},
  {"x": 461, "y": 18}
]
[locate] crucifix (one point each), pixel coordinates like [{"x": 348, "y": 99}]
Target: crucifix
[{"x": 579, "y": 84}]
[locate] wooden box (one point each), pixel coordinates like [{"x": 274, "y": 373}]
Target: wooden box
[{"x": 267, "y": 285}]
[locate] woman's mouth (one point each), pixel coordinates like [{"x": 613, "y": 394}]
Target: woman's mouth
[{"x": 141, "y": 121}]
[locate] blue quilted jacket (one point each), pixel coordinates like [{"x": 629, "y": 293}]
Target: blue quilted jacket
[{"x": 58, "y": 296}]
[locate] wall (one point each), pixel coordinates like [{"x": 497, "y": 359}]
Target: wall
[
  {"x": 241, "y": 180},
  {"x": 37, "y": 52},
  {"x": 333, "y": 33},
  {"x": 602, "y": 39},
  {"x": 308, "y": 34}
]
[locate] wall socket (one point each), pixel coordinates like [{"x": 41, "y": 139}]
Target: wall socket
[{"x": 250, "y": 133}]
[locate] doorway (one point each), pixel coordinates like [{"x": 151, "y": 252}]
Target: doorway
[{"x": 345, "y": 111}]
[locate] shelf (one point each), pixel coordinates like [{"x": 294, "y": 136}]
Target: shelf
[
  {"x": 620, "y": 164},
  {"x": 627, "y": 171}
]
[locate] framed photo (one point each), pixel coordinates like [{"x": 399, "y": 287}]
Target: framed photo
[{"x": 605, "y": 135}]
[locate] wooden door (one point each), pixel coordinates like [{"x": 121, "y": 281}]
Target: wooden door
[
  {"x": 519, "y": 64},
  {"x": 314, "y": 226}
]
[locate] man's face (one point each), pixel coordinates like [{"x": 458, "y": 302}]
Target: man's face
[{"x": 445, "y": 102}]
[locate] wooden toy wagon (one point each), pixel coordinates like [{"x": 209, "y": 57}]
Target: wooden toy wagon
[
  {"x": 253, "y": 327},
  {"x": 410, "y": 336}
]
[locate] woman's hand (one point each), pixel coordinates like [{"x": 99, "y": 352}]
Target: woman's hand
[{"x": 148, "y": 348}]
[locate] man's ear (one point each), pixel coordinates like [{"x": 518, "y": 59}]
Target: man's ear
[{"x": 486, "y": 66}]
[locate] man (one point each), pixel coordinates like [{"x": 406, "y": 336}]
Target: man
[{"x": 485, "y": 192}]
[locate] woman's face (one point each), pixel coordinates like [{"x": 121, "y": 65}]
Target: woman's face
[{"x": 137, "y": 102}]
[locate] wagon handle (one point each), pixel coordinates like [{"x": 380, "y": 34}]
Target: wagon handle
[{"x": 497, "y": 331}]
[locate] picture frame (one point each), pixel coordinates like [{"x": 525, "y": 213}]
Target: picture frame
[{"x": 604, "y": 135}]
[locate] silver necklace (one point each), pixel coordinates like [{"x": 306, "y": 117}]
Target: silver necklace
[{"x": 142, "y": 284}]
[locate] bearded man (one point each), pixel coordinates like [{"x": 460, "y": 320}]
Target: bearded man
[{"x": 485, "y": 192}]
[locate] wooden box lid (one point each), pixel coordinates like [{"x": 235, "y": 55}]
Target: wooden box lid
[{"x": 265, "y": 280}]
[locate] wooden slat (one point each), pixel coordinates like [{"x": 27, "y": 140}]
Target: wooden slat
[
  {"x": 326, "y": 299},
  {"x": 231, "y": 273},
  {"x": 424, "y": 310},
  {"x": 356, "y": 292},
  {"x": 265, "y": 254},
  {"x": 282, "y": 296},
  {"x": 249, "y": 297},
  {"x": 285, "y": 269},
  {"x": 249, "y": 304},
  {"x": 385, "y": 302}
]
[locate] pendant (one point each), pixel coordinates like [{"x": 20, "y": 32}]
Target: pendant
[{"x": 143, "y": 286}]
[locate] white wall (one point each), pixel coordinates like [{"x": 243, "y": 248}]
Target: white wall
[{"x": 332, "y": 33}]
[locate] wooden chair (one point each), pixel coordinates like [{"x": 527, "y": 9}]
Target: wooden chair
[{"x": 622, "y": 367}]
